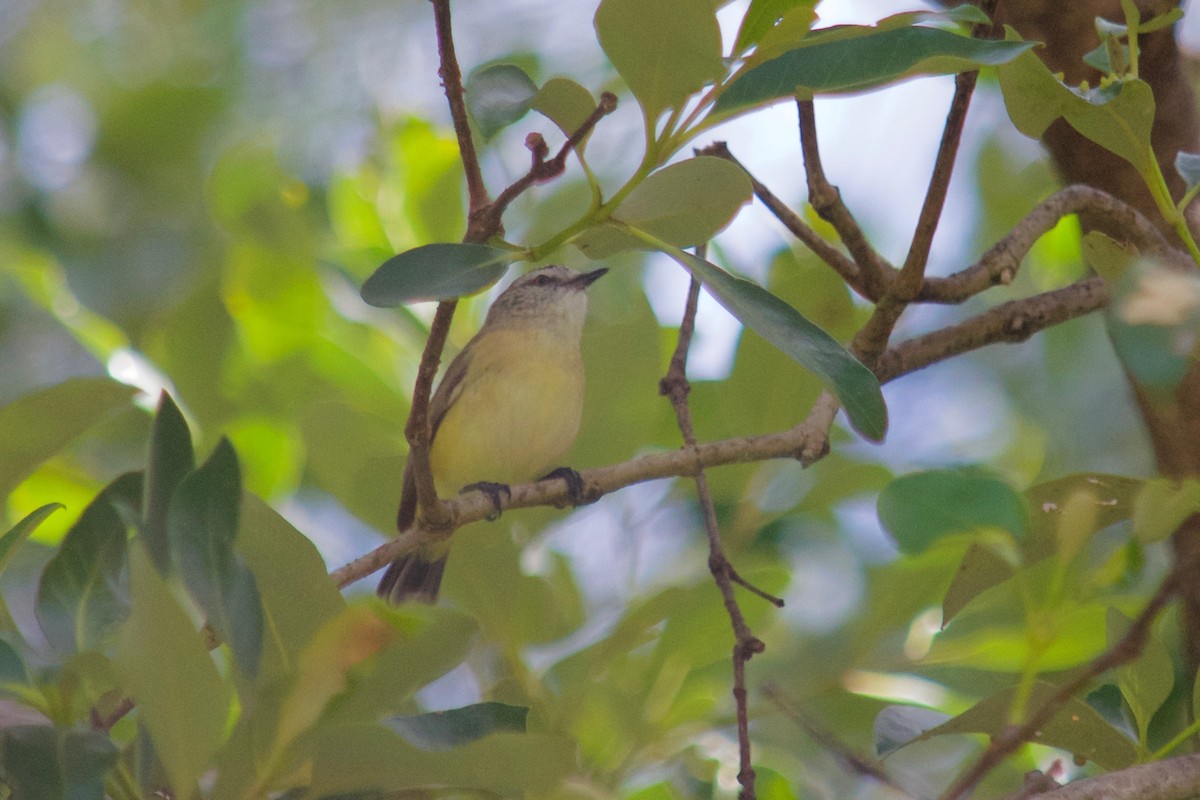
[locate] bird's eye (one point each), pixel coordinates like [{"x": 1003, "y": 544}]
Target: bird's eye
[{"x": 543, "y": 280}]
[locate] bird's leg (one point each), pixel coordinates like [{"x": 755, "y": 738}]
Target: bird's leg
[
  {"x": 493, "y": 491},
  {"x": 574, "y": 483}
]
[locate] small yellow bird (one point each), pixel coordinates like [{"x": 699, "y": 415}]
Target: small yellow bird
[{"x": 508, "y": 406}]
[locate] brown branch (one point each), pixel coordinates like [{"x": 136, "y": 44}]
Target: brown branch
[
  {"x": 1172, "y": 779},
  {"x": 826, "y": 200},
  {"x": 1009, "y": 740},
  {"x": 999, "y": 265},
  {"x": 542, "y": 170},
  {"x": 849, "y": 270},
  {"x": 1011, "y": 322},
  {"x": 452, "y": 83}
]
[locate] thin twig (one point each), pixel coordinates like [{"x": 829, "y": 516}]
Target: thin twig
[
  {"x": 849, "y": 270},
  {"x": 452, "y": 83},
  {"x": 826, "y": 200},
  {"x": 1130, "y": 646},
  {"x": 675, "y": 387}
]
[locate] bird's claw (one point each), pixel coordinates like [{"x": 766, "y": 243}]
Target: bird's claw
[
  {"x": 574, "y": 483},
  {"x": 493, "y": 491}
]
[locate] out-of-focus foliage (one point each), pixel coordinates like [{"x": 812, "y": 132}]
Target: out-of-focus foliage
[{"x": 186, "y": 204}]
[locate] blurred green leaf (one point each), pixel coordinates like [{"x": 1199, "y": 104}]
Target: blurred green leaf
[
  {"x": 444, "y": 730},
  {"x": 683, "y": 204},
  {"x": 567, "y": 104},
  {"x": 365, "y": 756},
  {"x": 45, "y": 763},
  {"x": 1108, "y": 257},
  {"x": 12, "y": 668},
  {"x": 297, "y": 596},
  {"x": 852, "y": 59},
  {"x": 497, "y": 96},
  {"x": 1147, "y": 682},
  {"x": 896, "y": 726},
  {"x": 1117, "y": 117},
  {"x": 435, "y": 272},
  {"x": 1154, "y": 324},
  {"x": 38, "y": 425},
  {"x": 853, "y": 384},
  {"x": 921, "y": 508},
  {"x": 82, "y": 595},
  {"x": 665, "y": 50},
  {"x": 202, "y": 524},
  {"x": 11, "y": 541},
  {"x": 1076, "y": 728},
  {"x": 1161, "y": 507},
  {"x": 1188, "y": 167},
  {"x": 185, "y": 707},
  {"x": 980, "y": 569},
  {"x": 171, "y": 459}
]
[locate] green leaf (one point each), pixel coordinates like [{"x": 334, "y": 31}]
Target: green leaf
[
  {"x": 435, "y": 272},
  {"x": 1188, "y": 167},
  {"x": 185, "y": 706},
  {"x": 896, "y": 726},
  {"x": 444, "y": 730},
  {"x": 202, "y": 524},
  {"x": 82, "y": 595},
  {"x": 12, "y": 668},
  {"x": 1077, "y": 727},
  {"x": 41, "y": 762},
  {"x": 854, "y": 58},
  {"x": 1162, "y": 506},
  {"x": 1154, "y": 324},
  {"x": 666, "y": 50},
  {"x": 919, "y": 509},
  {"x": 11, "y": 541},
  {"x": 1117, "y": 117},
  {"x": 855, "y": 386},
  {"x": 38, "y": 425},
  {"x": 1108, "y": 257},
  {"x": 567, "y": 104},
  {"x": 171, "y": 459},
  {"x": 683, "y": 204},
  {"x": 763, "y": 15},
  {"x": 352, "y": 758},
  {"x": 497, "y": 96},
  {"x": 980, "y": 569},
  {"x": 1148, "y": 681},
  {"x": 297, "y": 595}
]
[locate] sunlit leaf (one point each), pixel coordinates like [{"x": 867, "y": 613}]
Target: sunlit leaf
[
  {"x": 1108, "y": 257},
  {"x": 497, "y": 96},
  {"x": 567, "y": 104},
  {"x": 665, "y": 50},
  {"x": 763, "y": 15},
  {"x": 297, "y": 595},
  {"x": 83, "y": 595},
  {"x": 184, "y": 707},
  {"x": 1117, "y": 117},
  {"x": 1162, "y": 506},
  {"x": 851, "y": 59},
  {"x": 38, "y": 425},
  {"x": 684, "y": 204},
  {"x": 41, "y": 762},
  {"x": 443, "y": 730},
  {"x": 435, "y": 272},
  {"x": 980, "y": 569},
  {"x": 171, "y": 459},
  {"x": 924, "y": 507},
  {"x": 855, "y": 386},
  {"x": 202, "y": 524}
]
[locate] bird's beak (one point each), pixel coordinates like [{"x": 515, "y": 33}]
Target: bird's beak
[{"x": 588, "y": 278}]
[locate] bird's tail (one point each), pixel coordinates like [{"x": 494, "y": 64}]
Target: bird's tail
[{"x": 414, "y": 577}]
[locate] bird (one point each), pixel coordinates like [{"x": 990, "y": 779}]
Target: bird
[{"x": 507, "y": 407}]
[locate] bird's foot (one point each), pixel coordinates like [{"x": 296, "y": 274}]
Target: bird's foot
[
  {"x": 574, "y": 483},
  {"x": 493, "y": 491}
]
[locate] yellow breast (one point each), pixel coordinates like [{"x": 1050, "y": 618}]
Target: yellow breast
[{"x": 517, "y": 412}]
